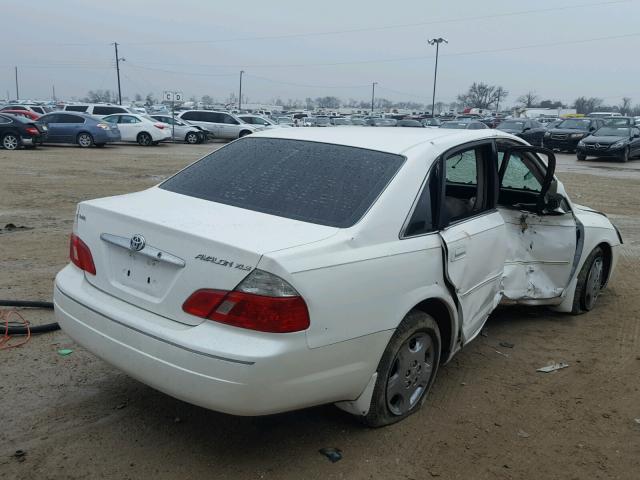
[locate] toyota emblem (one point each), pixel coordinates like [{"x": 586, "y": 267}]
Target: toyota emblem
[{"x": 137, "y": 242}]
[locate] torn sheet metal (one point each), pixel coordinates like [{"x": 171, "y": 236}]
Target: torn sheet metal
[{"x": 540, "y": 250}]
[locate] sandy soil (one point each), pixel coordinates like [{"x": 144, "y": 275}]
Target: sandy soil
[{"x": 490, "y": 415}]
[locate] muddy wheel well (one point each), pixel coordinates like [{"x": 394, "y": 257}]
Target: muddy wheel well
[
  {"x": 608, "y": 257},
  {"x": 440, "y": 313}
]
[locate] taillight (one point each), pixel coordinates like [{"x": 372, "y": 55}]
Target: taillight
[
  {"x": 32, "y": 130},
  {"x": 159, "y": 125},
  {"x": 262, "y": 302},
  {"x": 80, "y": 255}
]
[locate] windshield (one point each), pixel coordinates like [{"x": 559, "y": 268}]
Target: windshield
[
  {"x": 612, "y": 132},
  {"x": 320, "y": 183},
  {"x": 619, "y": 122},
  {"x": 511, "y": 125},
  {"x": 575, "y": 124}
]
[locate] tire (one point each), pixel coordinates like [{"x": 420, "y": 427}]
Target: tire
[
  {"x": 590, "y": 282},
  {"x": 625, "y": 156},
  {"x": 581, "y": 156},
  {"x": 397, "y": 395},
  {"x": 144, "y": 139},
  {"x": 84, "y": 140},
  {"x": 192, "y": 138},
  {"x": 244, "y": 133},
  {"x": 10, "y": 141}
]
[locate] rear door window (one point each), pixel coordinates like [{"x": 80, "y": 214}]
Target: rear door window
[
  {"x": 76, "y": 108},
  {"x": 320, "y": 183},
  {"x": 62, "y": 118},
  {"x": 100, "y": 110}
]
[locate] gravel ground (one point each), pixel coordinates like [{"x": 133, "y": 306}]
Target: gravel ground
[{"x": 490, "y": 415}]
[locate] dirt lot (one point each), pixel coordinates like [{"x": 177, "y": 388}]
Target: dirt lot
[{"x": 490, "y": 415}]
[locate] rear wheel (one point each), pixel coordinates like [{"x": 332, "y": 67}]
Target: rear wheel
[
  {"x": 144, "y": 139},
  {"x": 10, "y": 141},
  {"x": 406, "y": 371},
  {"x": 191, "y": 138},
  {"x": 85, "y": 140},
  {"x": 590, "y": 282}
]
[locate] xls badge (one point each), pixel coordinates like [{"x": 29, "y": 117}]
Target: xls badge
[{"x": 137, "y": 242}]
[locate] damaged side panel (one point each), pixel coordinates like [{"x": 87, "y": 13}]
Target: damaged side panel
[{"x": 540, "y": 256}]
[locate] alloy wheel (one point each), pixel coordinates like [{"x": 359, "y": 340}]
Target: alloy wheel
[{"x": 10, "y": 142}]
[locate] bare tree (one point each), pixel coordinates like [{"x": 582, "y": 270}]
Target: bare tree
[
  {"x": 528, "y": 100},
  {"x": 482, "y": 95},
  {"x": 625, "y": 106},
  {"x": 500, "y": 94},
  {"x": 586, "y": 105},
  {"x": 99, "y": 96}
]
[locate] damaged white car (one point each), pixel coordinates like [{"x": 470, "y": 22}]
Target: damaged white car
[{"x": 297, "y": 267}]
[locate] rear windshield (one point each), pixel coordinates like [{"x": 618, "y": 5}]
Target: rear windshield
[{"x": 313, "y": 182}]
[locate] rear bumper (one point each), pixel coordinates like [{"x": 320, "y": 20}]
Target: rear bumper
[{"x": 215, "y": 366}]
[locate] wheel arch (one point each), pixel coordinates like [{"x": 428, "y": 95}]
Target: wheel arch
[
  {"x": 608, "y": 261},
  {"x": 444, "y": 317},
  {"x": 244, "y": 132}
]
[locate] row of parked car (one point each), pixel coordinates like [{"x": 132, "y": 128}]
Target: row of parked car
[{"x": 98, "y": 124}]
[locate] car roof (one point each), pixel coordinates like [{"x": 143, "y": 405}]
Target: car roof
[{"x": 383, "y": 139}]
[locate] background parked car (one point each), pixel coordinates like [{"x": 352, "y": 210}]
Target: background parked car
[
  {"x": 621, "y": 142},
  {"x": 431, "y": 122},
  {"x": 567, "y": 134},
  {"x": 31, "y": 115},
  {"x": 527, "y": 129},
  {"x": 220, "y": 124},
  {"x": 464, "y": 124},
  {"x": 39, "y": 109},
  {"x": 140, "y": 128},
  {"x": 409, "y": 123},
  {"x": 20, "y": 131},
  {"x": 258, "y": 120},
  {"x": 341, "y": 121},
  {"x": 79, "y": 128},
  {"x": 98, "y": 109},
  {"x": 183, "y": 131}
]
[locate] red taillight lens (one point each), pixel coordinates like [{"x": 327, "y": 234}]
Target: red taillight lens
[
  {"x": 159, "y": 125},
  {"x": 32, "y": 130},
  {"x": 80, "y": 255},
  {"x": 246, "y": 310}
]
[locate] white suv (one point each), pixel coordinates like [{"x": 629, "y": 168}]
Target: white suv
[
  {"x": 99, "y": 109},
  {"x": 220, "y": 124}
]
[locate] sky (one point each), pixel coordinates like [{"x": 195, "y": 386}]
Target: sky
[{"x": 297, "y": 49}]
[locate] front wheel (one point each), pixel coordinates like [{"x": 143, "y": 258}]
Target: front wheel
[
  {"x": 625, "y": 155},
  {"x": 590, "y": 282},
  {"x": 191, "y": 138},
  {"x": 144, "y": 139},
  {"x": 406, "y": 371},
  {"x": 581, "y": 156},
  {"x": 10, "y": 141}
]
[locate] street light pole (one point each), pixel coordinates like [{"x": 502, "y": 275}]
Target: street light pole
[
  {"x": 17, "y": 89},
  {"x": 240, "y": 95},
  {"x": 118, "y": 60},
  {"x": 373, "y": 94},
  {"x": 436, "y": 42}
]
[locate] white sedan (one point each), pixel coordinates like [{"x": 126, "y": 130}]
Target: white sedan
[
  {"x": 297, "y": 267},
  {"x": 140, "y": 128}
]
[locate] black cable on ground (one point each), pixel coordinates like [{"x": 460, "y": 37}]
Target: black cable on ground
[{"x": 48, "y": 327}]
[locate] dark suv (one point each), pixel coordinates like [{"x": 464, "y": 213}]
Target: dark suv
[{"x": 566, "y": 135}]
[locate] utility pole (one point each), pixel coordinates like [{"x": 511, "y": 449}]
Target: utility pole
[
  {"x": 17, "y": 90},
  {"x": 240, "y": 93},
  {"x": 436, "y": 42},
  {"x": 373, "y": 94},
  {"x": 53, "y": 87},
  {"x": 118, "y": 73}
]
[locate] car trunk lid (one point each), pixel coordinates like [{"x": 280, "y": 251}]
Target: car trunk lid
[{"x": 155, "y": 248}]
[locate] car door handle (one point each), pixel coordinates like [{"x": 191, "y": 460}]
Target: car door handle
[{"x": 459, "y": 252}]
